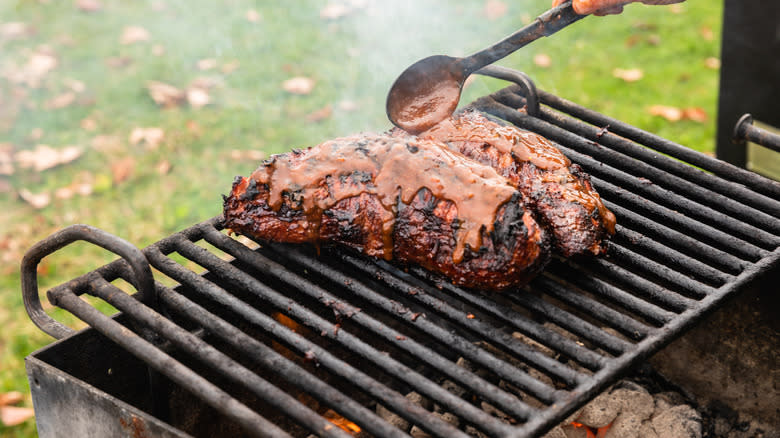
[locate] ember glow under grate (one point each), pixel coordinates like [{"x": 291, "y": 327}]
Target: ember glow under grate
[{"x": 691, "y": 232}]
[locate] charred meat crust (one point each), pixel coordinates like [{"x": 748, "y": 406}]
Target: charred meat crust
[
  {"x": 538, "y": 200},
  {"x": 562, "y": 199},
  {"x": 511, "y": 254}
]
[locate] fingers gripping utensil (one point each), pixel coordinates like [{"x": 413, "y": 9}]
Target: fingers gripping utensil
[{"x": 429, "y": 90}]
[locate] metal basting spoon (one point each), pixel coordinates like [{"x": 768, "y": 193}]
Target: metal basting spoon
[{"x": 429, "y": 90}]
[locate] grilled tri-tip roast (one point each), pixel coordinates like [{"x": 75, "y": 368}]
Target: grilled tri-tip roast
[
  {"x": 478, "y": 202},
  {"x": 559, "y": 192},
  {"x": 400, "y": 198}
]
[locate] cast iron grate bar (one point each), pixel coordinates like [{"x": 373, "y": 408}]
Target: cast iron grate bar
[
  {"x": 731, "y": 202},
  {"x": 286, "y": 369},
  {"x": 212, "y": 357},
  {"x": 660, "y": 233},
  {"x": 512, "y": 404},
  {"x": 642, "y": 186},
  {"x": 687, "y": 239},
  {"x": 458, "y": 343},
  {"x": 753, "y": 181},
  {"x": 519, "y": 322},
  {"x": 681, "y": 262},
  {"x": 706, "y": 233},
  {"x": 713, "y": 228},
  {"x": 241, "y": 279},
  {"x": 628, "y": 326},
  {"x": 391, "y": 399},
  {"x": 610, "y": 293}
]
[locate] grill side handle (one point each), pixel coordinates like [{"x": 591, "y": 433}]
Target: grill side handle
[
  {"x": 745, "y": 131},
  {"x": 143, "y": 279}
]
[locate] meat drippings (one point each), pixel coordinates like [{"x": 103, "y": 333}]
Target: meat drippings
[
  {"x": 393, "y": 168},
  {"x": 523, "y": 145}
]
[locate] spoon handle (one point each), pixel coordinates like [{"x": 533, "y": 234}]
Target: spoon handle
[{"x": 545, "y": 25}]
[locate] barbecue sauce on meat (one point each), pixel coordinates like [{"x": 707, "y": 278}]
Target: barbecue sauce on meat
[
  {"x": 391, "y": 168},
  {"x": 523, "y": 146}
]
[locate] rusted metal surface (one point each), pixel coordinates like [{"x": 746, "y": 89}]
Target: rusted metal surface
[{"x": 67, "y": 407}]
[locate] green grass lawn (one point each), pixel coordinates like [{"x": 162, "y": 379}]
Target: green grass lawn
[{"x": 66, "y": 79}]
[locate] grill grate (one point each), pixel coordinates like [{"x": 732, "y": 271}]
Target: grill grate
[{"x": 365, "y": 333}]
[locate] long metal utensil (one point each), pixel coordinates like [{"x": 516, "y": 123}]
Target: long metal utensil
[{"x": 429, "y": 90}]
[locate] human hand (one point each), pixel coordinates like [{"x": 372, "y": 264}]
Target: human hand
[{"x": 606, "y": 7}]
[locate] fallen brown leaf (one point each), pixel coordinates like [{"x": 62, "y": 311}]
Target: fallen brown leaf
[
  {"x": 298, "y": 85},
  {"x": 628, "y": 75},
  {"x": 88, "y": 124},
  {"x": 89, "y": 5},
  {"x": 41, "y": 63},
  {"x": 134, "y": 34},
  {"x": 643, "y": 25},
  {"x": 674, "y": 114},
  {"x": 38, "y": 65},
  {"x": 81, "y": 185},
  {"x": 632, "y": 40},
  {"x": 14, "y": 30},
  {"x": 64, "y": 192},
  {"x": 61, "y": 101},
  {"x": 668, "y": 112},
  {"x": 165, "y": 95},
  {"x": 11, "y": 398},
  {"x": 75, "y": 85},
  {"x": 163, "y": 167},
  {"x": 332, "y": 11},
  {"x": 321, "y": 114},
  {"x": 707, "y": 33},
  {"x": 542, "y": 60},
  {"x": 495, "y": 9},
  {"x": 654, "y": 39},
  {"x": 151, "y": 137},
  {"x": 13, "y": 416},
  {"x": 194, "y": 128},
  {"x": 122, "y": 170},
  {"x": 252, "y": 16},
  {"x": 206, "y": 64},
  {"x": 712, "y": 63},
  {"x": 45, "y": 157},
  {"x": 198, "y": 97},
  {"x": 36, "y": 200},
  {"x": 696, "y": 114}
]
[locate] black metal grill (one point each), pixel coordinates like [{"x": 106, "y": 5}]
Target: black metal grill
[{"x": 691, "y": 232}]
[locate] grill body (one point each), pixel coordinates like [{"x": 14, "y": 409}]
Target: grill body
[{"x": 271, "y": 339}]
